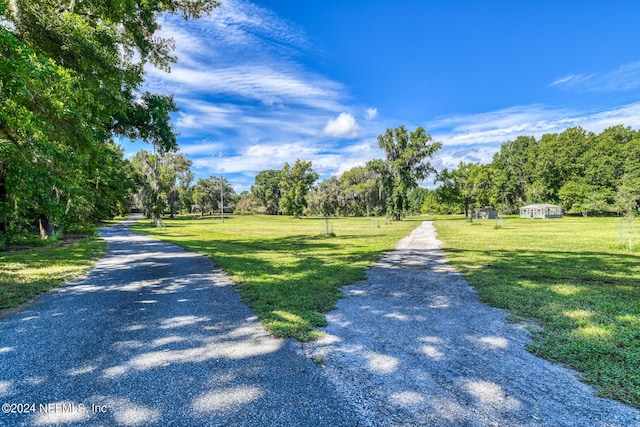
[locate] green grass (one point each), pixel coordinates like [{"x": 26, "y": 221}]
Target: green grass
[
  {"x": 287, "y": 270},
  {"x": 29, "y": 269},
  {"x": 572, "y": 279}
]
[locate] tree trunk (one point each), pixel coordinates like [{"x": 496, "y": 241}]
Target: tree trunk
[
  {"x": 3, "y": 198},
  {"x": 47, "y": 230}
]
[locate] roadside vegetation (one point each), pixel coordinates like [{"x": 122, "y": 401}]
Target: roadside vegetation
[
  {"x": 33, "y": 267},
  {"x": 288, "y": 270},
  {"x": 570, "y": 281}
]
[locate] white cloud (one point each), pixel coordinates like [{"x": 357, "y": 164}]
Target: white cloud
[
  {"x": 197, "y": 115},
  {"x": 562, "y": 80},
  {"x": 203, "y": 148},
  {"x": 343, "y": 126},
  {"x": 247, "y": 82},
  {"x": 575, "y": 80},
  {"x": 624, "y": 78},
  {"x": 504, "y": 125},
  {"x": 476, "y": 137},
  {"x": 244, "y": 52},
  {"x": 248, "y": 104}
]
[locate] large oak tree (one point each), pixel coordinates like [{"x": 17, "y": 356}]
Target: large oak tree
[
  {"x": 71, "y": 77},
  {"x": 406, "y": 164}
]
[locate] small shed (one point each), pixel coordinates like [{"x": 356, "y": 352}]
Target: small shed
[
  {"x": 484, "y": 213},
  {"x": 541, "y": 210}
]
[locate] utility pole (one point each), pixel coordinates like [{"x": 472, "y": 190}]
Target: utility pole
[{"x": 222, "y": 201}]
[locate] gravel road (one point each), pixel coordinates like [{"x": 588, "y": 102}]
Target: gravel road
[
  {"x": 412, "y": 345},
  {"x": 155, "y": 335}
]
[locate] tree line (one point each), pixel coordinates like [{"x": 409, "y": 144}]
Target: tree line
[
  {"x": 387, "y": 186},
  {"x": 582, "y": 171}
]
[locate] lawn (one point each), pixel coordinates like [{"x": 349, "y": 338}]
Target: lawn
[
  {"x": 29, "y": 269},
  {"x": 286, "y": 269},
  {"x": 570, "y": 280}
]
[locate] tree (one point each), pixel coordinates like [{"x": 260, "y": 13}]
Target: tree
[
  {"x": 148, "y": 197},
  {"x": 210, "y": 192},
  {"x": 417, "y": 197},
  {"x": 71, "y": 77},
  {"x": 326, "y": 197},
  {"x": 626, "y": 201},
  {"x": 362, "y": 191},
  {"x": 295, "y": 183},
  {"x": 185, "y": 190},
  {"x": 266, "y": 190},
  {"x": 430, "y": 205},
  {"x": 174, "y": 175},
  {"x": 470, "y": 185},
  {"x": 555, "y": 162},
  {"x": 223, "y": 192},
  {"x": 514, "y": 169},
  {"x": 202, "y": 192},
  {"x": 405, "y": 166}
]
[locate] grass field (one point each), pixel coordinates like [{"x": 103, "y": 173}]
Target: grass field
[
  {"x": 568, "y": 279},
  {"x": 572, "y": 279},
  {"x": 286, "y": 269},
  {"x": 29, "y": 269}
]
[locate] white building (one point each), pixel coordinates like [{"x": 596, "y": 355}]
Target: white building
[{"x": 541, "y": 210}]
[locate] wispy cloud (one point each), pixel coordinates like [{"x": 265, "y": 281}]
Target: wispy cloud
[
  {"x": 248, "y": 103},
  {"x": 253, "y": 82},
  {"x": 254, "y": 158},
  {"x": 624, "y": 78},
  {"x": 476, "y": 137},
  {"x": 572, "y": 80}
]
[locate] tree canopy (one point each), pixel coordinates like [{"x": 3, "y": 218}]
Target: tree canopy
[
  {"x": 71, "y": 81},
  {"x": 406, "y": 164},
  {"x": 579, "y": 170},
  {"x": 295, "y": 182}
]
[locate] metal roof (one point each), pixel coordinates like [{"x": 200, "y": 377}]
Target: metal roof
[{"x": 541, "y": 205}]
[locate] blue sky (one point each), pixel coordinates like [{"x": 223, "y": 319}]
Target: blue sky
[{"x": 265, "y": 82}]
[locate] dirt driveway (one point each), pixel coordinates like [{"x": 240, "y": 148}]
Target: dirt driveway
[
  {"x": 412, "y": 345},
  {"x": 155, "y": 335}
]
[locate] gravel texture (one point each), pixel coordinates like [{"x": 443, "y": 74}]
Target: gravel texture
[
  {"x": 155, "y": 335},
  {"x": 412, "y": 345}
]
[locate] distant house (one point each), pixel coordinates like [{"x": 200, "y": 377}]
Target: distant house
[
  {"x": 484, "y": 213},
  {"x": 541, "y": 210}
]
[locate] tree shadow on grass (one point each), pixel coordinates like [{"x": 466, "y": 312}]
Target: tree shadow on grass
[
  {"x": 588, "y": 304},
  {"x": 155, "y": 336},
  {"x": 292, "y": 281}
]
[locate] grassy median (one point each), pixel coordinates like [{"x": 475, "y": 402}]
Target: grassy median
[
  {"x": 572, "y": 278},
  {"x": 288, "y": 270}
]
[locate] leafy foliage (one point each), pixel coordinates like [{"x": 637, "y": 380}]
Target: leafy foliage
[
  {"x": 582, "y": 171},
  {"x": 209, "y": 193},
  {"x": 405, "y": 166},
  {"x": 266, "y": 190},
  {"x": 295, "y": 183},
  {"x": 71, "y": 74}
]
